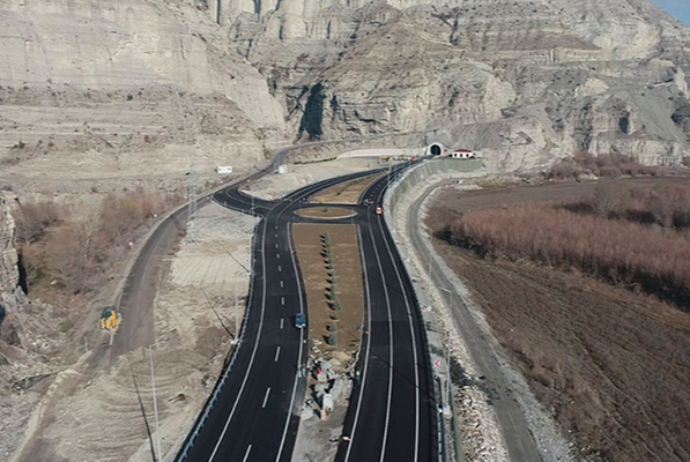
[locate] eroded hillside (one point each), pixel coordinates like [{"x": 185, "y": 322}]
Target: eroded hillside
[{"x": 524, "y": 81}]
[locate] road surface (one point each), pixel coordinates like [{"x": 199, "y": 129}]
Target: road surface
[{"x": 253, "y": 414}]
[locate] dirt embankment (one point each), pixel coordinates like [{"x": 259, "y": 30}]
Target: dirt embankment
[{"x": 611, "y": 365}]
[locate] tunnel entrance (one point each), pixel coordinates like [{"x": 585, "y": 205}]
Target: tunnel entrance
[{"x": 435, "y": 149}]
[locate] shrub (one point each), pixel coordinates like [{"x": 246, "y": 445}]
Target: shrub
[
  {"x": 32, "y": 219},
  {"x": 611, "y": 198},
  {"x": 332, "y": 339}
]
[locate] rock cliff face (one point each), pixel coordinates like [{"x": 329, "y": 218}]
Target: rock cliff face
[
  {"x": 10, "y": 297},
  {"x": 157, "y": 87},
  {"x": 125, "y": 88}
]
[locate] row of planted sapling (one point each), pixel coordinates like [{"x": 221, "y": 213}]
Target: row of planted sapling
[{"x": 331, "y": 290}]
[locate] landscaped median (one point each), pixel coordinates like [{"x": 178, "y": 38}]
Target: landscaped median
[{"x": 329, "y": 260}]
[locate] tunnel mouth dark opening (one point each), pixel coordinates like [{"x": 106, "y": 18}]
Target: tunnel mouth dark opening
[
  {"x": 435, "y": 150},
  {"x": 23, "y": 284}
]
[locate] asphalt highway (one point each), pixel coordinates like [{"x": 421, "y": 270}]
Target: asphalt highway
[
  {"x": 255, "y": 414},
  {"x": 392, "y": 413}
]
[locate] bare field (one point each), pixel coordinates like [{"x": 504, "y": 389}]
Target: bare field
[
  {"x": 347, "y": 193},
  {"x": 611, "y": 365},
  {"x": 345, "y": 251},
  {"x": 458, "y": 201}
]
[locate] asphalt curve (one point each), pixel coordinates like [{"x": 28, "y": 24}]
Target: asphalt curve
[
  {"x": 392, "y": 411},
  {"x": 255, "y": 414}
]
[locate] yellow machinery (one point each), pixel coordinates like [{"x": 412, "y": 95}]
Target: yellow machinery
[{"x": 110, "y": 320}]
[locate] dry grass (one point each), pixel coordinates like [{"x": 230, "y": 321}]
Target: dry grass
[
  {"x": 345, "y": 193},
  {"x": 611, "y": 365},
  {"x": 346, "y": 263}
]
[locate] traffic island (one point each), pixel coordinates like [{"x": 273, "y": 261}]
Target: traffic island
[{"x": 326, "y": 213}]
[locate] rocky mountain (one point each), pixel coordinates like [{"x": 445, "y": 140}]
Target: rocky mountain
[
  {"x": 524, "y": 81},
  {"x": 127, "y": 88},
  {"x": 163, "y": 86}
]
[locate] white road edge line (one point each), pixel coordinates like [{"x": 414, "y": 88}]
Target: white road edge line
[
  {"x": 301, "y": 344},
  {"x": 414, "y": 351},
  {"x": 275, "y": 360},
  {"x": 246, "y": 454},
  {"x": 268, "y": 390},
  {"x": 251, "y": 360},
  {"x": 390, "y": 345},
  {"x": 366, "y": 356}
]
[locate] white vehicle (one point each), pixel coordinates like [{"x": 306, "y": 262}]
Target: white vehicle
[{"x": 223, "y": 169}]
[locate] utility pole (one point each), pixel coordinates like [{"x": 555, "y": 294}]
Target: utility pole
[
  {"x": 155, "y": 406},
  {"x": 155, "y": 401},
  {"x": 191, "y": 208},
  {"x": 237, "y": 320}
]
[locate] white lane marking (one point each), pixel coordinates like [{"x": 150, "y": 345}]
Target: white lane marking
[
  {"x": 275, "y": 360},
  {"x": 268, "y": 390},
  {"x": 282, "y": 300},
  {"x": 368, "y": 337},
  {"x": 414, "y": 350},
  {"x": 281, "y": 322},
  {"x": 280, "y": 269},
  {"x": 251, "y": 359},
  {"x": 278, "y": 256},
  {"x": 291, "y": 409},
  {"x": 281, "y": 284},
  {"x": 276, "y": 245},
  {"x": 246, "y": 454}
]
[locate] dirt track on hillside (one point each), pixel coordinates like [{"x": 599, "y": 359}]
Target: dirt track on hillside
[{"x": 612, "y": 366}]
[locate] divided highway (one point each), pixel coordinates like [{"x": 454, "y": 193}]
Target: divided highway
[{"x": 253, "y": 414}]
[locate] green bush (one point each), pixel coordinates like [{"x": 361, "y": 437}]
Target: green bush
[{"x": 333, "y": 339}]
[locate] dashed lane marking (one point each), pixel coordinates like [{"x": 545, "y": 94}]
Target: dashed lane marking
[{"x": 268, "y": 390}]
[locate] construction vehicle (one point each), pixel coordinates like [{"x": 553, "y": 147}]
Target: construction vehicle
[{"x": 110, "y": 320}]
